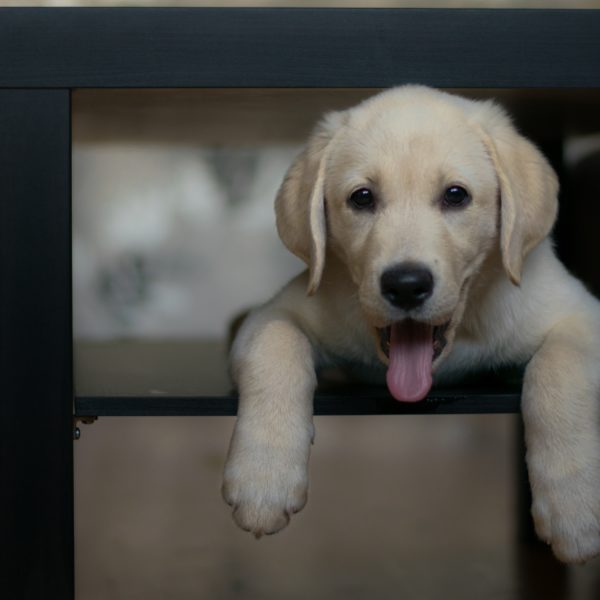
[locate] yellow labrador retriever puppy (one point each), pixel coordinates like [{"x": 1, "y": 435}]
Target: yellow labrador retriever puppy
[{"x": 424, "y": 220}]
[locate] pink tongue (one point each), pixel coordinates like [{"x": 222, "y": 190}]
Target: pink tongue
[{"x": 411, "y": 355}]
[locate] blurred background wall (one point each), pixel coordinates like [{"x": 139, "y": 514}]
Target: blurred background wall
[{"x": 174, "y": 228}]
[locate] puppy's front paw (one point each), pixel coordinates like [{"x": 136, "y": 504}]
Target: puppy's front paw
[
  {"x": 566, "y": 514},
  {"x": 265, "y": 487}
]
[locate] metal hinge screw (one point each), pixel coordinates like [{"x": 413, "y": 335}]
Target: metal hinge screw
[{"x": 77, "y": 420}]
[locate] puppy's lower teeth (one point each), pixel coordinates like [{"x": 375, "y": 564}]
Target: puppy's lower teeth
[
  {"x": 384, "y": 340},
  {"x": 439, "y": 340}
]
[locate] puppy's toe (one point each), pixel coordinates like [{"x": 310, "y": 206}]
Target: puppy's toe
[
  {"x": 567, "y": 516},
  {"x": 542, "y": 521},
  {"x": 577, "y": 550},
  {"x": 228, "y": 494},
  {"x": 260, "y": 519}
]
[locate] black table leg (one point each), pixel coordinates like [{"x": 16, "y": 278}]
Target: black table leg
[{"x": 36, "y": 390}]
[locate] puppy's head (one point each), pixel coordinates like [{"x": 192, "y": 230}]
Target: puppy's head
[{"x": 413, "y": 189}]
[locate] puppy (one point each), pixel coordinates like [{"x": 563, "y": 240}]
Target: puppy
[{"x": 424, "y": 219}]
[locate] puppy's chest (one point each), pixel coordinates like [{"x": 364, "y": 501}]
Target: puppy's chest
[
  {"x": 350, "y": 346},
  {"x": 484, "y": 349}
]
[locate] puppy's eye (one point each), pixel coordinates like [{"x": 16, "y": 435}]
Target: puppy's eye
[
  {"x": 456, "y": 197},
  {"x": 362, "y": 199}
]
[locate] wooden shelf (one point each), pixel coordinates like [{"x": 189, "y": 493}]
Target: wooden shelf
[{"x": 169, "y": 378}]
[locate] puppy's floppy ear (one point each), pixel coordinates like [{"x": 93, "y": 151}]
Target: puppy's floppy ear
[
  {"x": 528, "y": 188},
  {"x": 300, "y": 202}
]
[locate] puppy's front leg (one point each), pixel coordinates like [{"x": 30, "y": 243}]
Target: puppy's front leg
[
  {"x": 561, "y": 410},
  {"x": 266, "y": 473}
]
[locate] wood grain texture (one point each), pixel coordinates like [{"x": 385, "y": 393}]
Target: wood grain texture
[{"x": 150, "y": 47}]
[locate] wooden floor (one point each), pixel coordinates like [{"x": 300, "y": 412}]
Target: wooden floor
[{"x": 402, "y": 507}]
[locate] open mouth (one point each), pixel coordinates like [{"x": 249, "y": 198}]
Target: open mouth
[
  {"x": 438, "y": 340},
  {"x": 411, "y": 347}
]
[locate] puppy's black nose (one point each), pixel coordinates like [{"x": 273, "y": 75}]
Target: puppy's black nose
[{"x": 407, "y": 285}]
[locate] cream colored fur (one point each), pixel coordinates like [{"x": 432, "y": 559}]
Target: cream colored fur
[{"x": 508, "y": 298}]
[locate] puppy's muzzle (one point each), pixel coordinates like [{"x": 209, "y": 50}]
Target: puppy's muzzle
[{"x": 407, "y": 285}]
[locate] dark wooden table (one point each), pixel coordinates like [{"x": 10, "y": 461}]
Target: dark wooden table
[{"x": 45, "y": 54}]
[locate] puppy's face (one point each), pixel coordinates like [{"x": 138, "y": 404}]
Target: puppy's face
[
  {"x": 412, "y": 210},
  {"x": 412, "y": 190}
]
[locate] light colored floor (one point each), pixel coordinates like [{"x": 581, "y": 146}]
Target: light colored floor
[{"x": 400, "y": 507}]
